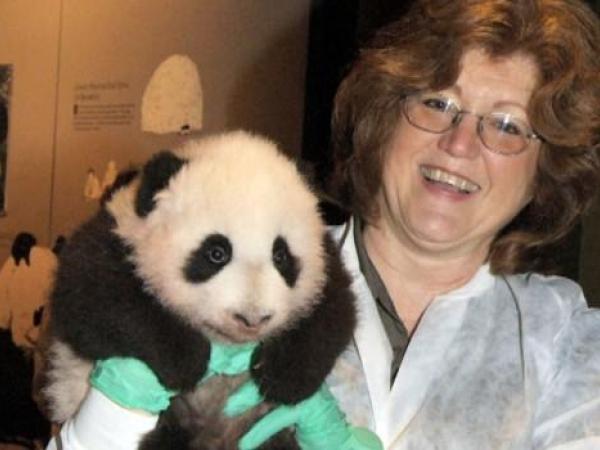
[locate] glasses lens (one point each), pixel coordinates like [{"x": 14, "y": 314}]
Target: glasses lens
[
  {"x": 430, "y": 112},
  {"x": 503, "y": 133},
  {"x": 500, "y": 132}
]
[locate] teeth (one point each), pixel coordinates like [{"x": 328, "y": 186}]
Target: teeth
[{"x": 439, "y": 176}]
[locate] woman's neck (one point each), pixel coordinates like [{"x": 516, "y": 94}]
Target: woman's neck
[{"x": 414, "y": 278}]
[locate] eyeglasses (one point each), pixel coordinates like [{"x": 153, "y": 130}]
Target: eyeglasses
[{"x": 499, "y": 132}]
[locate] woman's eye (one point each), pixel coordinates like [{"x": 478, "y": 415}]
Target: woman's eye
[
  {"x": 512, "y": 128},
  {"x": 437, "y": 103},
  {"x": 506, "y": 125}
]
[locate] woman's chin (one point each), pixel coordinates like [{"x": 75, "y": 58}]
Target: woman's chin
[{"x": 447, "y": 236}]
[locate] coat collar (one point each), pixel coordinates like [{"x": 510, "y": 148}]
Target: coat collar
[{"x": 394, "y": 408}]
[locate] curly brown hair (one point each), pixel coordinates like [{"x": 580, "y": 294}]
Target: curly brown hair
[{"x": 423, "y": 49}]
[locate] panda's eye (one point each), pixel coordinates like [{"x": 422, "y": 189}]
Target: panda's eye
[
  {"x": 217, "y": 254},
  {"x": 281, "y": 253},
  {"x": 285, "y": 263},
  {"x": 214, "y": 253},
  {"x": 280, "y": 257}
]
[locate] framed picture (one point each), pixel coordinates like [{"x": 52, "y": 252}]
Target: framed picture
[{"x": 6, "y": 74}]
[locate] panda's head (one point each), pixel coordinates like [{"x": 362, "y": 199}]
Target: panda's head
[{"x": 226, "y": 234}]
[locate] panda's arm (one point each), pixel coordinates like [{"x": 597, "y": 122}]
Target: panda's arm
[
  {"x": 292, "y": 366},
  {"x": 99, "y": 308}
]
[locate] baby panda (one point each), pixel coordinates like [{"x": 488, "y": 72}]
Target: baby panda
[{"x": 219, "y": 241}]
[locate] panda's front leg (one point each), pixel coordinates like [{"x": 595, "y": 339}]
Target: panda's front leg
[
  {"x": 180, "y": 361},
  {"x": 292, "y": 366},
  {"x": 289, "y": 369}
]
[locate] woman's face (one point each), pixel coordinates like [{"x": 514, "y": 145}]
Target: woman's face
[{"x": 437, "y": 216}]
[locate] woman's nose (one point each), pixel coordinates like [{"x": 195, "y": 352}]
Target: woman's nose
[{"x": 462, "y": 140}]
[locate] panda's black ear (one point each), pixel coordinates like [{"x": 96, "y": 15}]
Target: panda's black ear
[
  {"x": 308, "y": 172},
  {"x": 123, "y": 179},
  {"x": 155, "y": 176},
  {"x": 331, "y": 210}
]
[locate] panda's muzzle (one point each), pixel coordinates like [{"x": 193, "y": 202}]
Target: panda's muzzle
[
  {"x": 242, "y": 326},
  {"x": 251, "y": 322}
]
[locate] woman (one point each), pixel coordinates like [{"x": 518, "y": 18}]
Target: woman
[{"x": 466, "y": 140}]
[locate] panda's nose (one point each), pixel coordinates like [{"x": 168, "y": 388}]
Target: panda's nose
[{"x": 253, "y": 321}]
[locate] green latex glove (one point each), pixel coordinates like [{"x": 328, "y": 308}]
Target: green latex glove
[
  {"x": 229, "y": 359},
  {"x": 319, "y": 422},
  {"x": 130, "y": 383}
]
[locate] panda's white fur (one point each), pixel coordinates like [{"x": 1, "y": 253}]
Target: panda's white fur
[
  {"x": 124, "y": 274},
  {"x": 243, "y": 187},
  {"x": 67, "y": 382}
]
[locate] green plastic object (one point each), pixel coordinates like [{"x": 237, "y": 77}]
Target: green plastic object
[
  {"x": 319, "y": 423},
  {"x": 130, "y": 383}
]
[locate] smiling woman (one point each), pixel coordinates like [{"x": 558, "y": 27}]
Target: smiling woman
[
  {"x": 465, "y": 141},
  {"x": 422, "y": 200},
  {"x": 424, "y": 54}
]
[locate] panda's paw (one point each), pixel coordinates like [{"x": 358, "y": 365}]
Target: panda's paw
[
  {"x": 180, "y": 381},
  {"x": 283, "y": 381},
  {"x": 184, "y": 373}
]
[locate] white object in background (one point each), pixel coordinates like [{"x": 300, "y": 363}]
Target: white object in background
[
  {"x": 92, "y": 189},
  {"x": 172, "y": 101},
  {"x": 110, "y": 175}
]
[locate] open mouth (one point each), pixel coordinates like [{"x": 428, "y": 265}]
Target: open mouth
[{"x": 448, "y": 180}]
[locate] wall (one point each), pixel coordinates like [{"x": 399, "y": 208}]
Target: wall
[
  {"x": 30, "y": 39},
  {"x": 251, "y": 56}
]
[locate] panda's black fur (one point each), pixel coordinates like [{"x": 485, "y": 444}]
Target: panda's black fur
[{"x": 108, "y": 300}]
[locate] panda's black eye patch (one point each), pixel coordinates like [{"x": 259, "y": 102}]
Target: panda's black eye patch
[
  {"x": 207, "y": 260},
  {"x": 285, "y": 263}
]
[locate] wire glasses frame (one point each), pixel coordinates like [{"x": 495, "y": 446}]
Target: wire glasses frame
[{"x": 499, "y": 132}]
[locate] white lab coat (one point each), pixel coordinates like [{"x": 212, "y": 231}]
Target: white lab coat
[
  {"x": 500, "y": 363},
  {"x": 101, "y": 424}
]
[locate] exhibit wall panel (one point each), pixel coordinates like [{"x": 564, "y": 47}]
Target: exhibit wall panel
[
  {"x": 80, "y": 71},
  {"x": 250, "y": 55},
  {"x": 30, "y": 44},
  {"x": 251, "y": 59}
]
